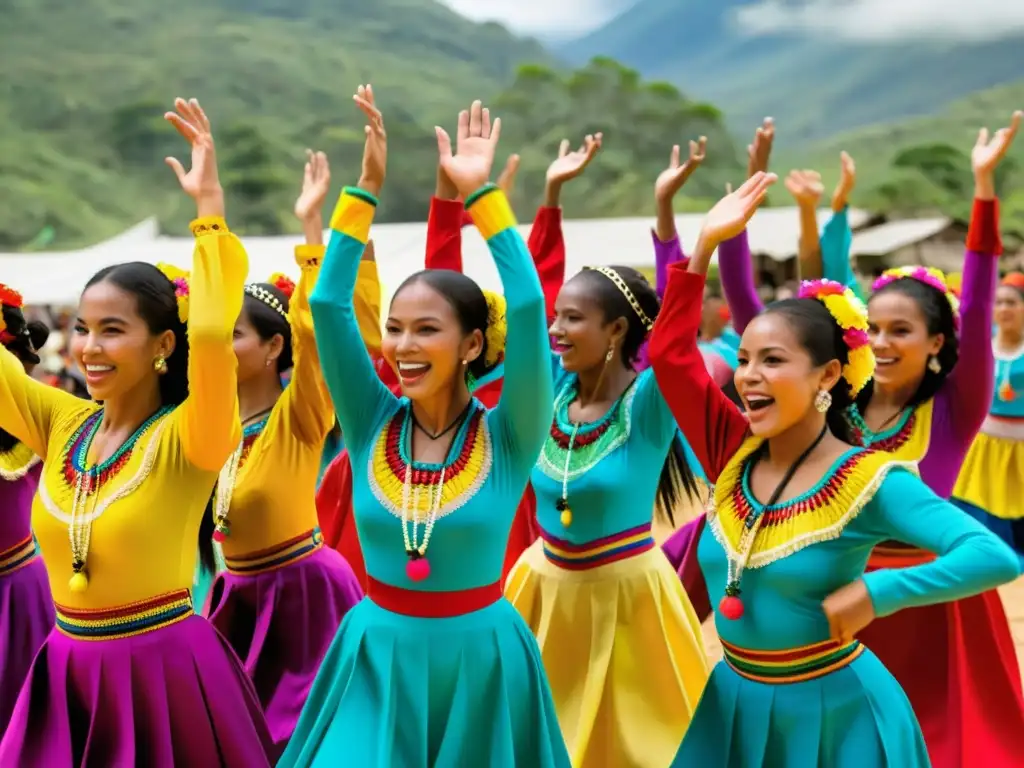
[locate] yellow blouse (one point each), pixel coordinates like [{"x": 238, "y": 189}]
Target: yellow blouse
[
  {"x": 146, "y": 511},
  {"x": 275, "y": 467}
]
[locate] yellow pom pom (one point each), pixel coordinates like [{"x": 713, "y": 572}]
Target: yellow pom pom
[
  {"x": 860, "y": 368},
  {"x": 497, "y": 328},
  {"x": 566, "y": 517},
  {"x": 78, "y": 583}
]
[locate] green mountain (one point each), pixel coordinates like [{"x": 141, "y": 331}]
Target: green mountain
[{"x": 818, "y": 85}]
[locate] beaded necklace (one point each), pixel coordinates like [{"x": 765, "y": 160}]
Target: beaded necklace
[{"x": 229, "y": 476}]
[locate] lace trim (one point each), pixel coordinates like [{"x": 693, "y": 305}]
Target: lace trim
[{"x": 17, "y": 462}]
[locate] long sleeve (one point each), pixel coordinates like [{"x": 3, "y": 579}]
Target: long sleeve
[
  {"x": 681, "y": 550},
  {"x": 308, "y": 401},
  {"x": 713, "y": 426},
  {"x": 31, "y": 410},
  {"x": 974, "y": 372},
  {"x": 665, "y": 254},
  {"x": 210, "y": 425},
  {"x": 547, "y": 246},
  {"x": 836, "y": 241},
  {"x": 444, "y": 234},
  {"x": 970, "y": 558},
  {"x": 367, "y": 306},
  {"x": 736, "y": 271},
  {"x": 358, "y": 394},
  {"x": 523, "y": 414}
]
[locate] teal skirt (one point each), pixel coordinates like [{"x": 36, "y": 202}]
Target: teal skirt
[{"x": 401, "y": 691}]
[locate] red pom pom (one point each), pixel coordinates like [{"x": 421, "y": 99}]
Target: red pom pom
[
  {"x": 283, "y": 283},
  {"x": 418, "y": 569},
  {"x": 218, "y": 536},
  {"x": 731, "y": 608}
]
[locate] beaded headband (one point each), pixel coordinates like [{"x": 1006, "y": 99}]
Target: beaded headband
[
  {"x": 8, "y": 298},
  {"x": 929, "y": 276},
  {"x": 616, "y": 278},
  {"x": 180, "y": 279},
  {"x": 851, "y": 315},
  {"x": 261, "y": 294}
]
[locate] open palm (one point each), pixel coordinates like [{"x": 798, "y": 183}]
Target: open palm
[
  {"x": 315, "y": 184},
  {"x": 672, "y": 179},
  {"x": 190, "y": 121},
  {"x": 988, "y": 153},
  {"x": 730, "y": 215},
  {"x": 805, "y": 187},
  {"x": 469, "y": 167},
  {"x": 569, "y": 165}
]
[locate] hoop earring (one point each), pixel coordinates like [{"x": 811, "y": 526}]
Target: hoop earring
[
  {"x": 160, "y": 364},
  {"x": 822, "y": 401},
  {"x": 934, "y": 365}
]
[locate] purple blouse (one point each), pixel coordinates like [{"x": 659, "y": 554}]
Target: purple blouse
[{"x": 16, "y": 508}]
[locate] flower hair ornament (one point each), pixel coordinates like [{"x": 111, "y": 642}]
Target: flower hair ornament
[
  {"x": 497, "y": 329},
  {"x": 927, "y": 275},
  {"x": 283, "y": 283},
  {"x": 8, "y": 298},
  {"x": 180, "y": 279},
  {"x": 851, "y": 315},
  {"x": 279, "y": 280}
]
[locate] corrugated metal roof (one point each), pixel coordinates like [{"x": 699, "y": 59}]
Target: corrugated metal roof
[{"x": 893, "y": 235}]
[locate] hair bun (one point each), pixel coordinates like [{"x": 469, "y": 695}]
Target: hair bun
[
  {"x": 180, "y": 280},
  {"x": 497, "y": 328},
  {"x": 283, "y": 283}
]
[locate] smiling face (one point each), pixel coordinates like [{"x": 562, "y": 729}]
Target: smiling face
[
  {"x": 776, "y": 377},
  {"x": 1009, "y": 311},
  {"x": 580, "y": 333},
  {"x": 900, "y": 339},
  {"x": 113, "y": 345},
  {"x": 424, "y": 341}
]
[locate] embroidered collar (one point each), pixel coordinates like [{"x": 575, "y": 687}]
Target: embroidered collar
[
  {"x": 470, "y": 462},
  {"x": 819, "y": 515},
  {"x": 906, "y": 440}
]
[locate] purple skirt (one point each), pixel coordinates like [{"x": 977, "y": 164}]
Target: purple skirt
[
  {"x": 26, "y": 618},
  {"x": 169, "y": 697},
  {"x": 281, "y": 623}
]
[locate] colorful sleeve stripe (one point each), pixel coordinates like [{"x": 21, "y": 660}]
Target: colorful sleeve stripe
[
  {"x": 309, "y": 255},
  {"x": 490, "y": 211},
  {"x": 354, "y": 214}
]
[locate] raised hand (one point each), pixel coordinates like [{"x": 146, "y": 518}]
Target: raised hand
[
  {"x": 507, "y": 179},
  {"x": 760, "y": 152},
  {"x": 568, "y": 165},
  {"x": 375, "y": 150},
  {"x": 847, "y": 181},
  {"x": 201, "y": 182},
  {"x": 315, "y": 184},
  {"x": 672, "y": 179},
  {"x": 469, "y": 168},
  {"x": 729, "y": 217},
  {"x": 805, "y": 187}
]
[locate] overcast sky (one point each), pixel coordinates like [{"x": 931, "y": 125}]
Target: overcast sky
[{"x": 855, "y": 19}]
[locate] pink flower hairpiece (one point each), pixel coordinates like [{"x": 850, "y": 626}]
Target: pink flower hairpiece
[{"x": 928, "y": 276}]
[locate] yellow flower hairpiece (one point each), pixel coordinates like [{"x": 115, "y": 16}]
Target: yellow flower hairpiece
[
  {"x": 851, "y": 315},
  {"x": 497, "y": 328},
  {"x": 180, "y": 279}
]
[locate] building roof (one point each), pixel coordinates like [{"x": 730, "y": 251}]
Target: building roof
[{"x": 894, "y": 235}]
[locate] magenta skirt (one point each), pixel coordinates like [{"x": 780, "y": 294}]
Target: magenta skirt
[
  {"x": 26, "y": 618},
  {"x": 171, "y": 696},
  {"x": 280, "y": 623}
]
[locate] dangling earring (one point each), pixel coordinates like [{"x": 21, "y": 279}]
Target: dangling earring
[
  {"x": 269, "y": 361},
  {"x": 934, "y": 365},
  {"x": 822, "y": 401},
  {"x": 611, "y": 354},
  {"x": 160, "y": 364}
]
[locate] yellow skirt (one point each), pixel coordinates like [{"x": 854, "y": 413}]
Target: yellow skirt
[
  {"x": 623, "y": 651},
  {"x": 992, "y": 477}
]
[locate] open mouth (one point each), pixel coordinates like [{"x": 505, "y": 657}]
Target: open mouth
[
  {"x": 882, "y": 362},
  {"x": 411, "y": 373},
  {"x": 96, "y": 373},
  {"x": 757, "y": 403},
  {"x": 560, "y": 347}
]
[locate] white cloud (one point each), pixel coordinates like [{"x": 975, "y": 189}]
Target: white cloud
[
  {"x": 561, "y": 17},
  {"x": 889, "y": 20}
]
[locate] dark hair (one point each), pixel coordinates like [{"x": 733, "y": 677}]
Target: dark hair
[
  {"x": 269, "y": 323},
  {"x": 677, "y": 478},
  {"x": 466, "y": 299},
  {"x": 39, "y": 333},
  {"x": 157, "y": 305},
  {"x": 820, "y": 335},
  {"x": 22, "y": 348},
  {"x": 938, "y": 318}
]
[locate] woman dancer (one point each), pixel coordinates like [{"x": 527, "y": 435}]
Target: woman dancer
[
  {"x": 25, "y": 602},
  {"x": 797, "y": 510},
  {"x": 991, "y": 482},
  {"x": 283, "y": 594},
  {"x": 463, "y": 680},
  {"x": 620, "y": 641},
  {"x": 131, "y": 675}
]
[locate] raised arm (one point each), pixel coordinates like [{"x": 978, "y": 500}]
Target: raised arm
[
  {"x": 736, "y": 271},
  {"x": 367, "y": 300},
  {"x": 667, "y": 249},
  {"x": 444, "y": 233},
  {"x": 210, "y": 428}
]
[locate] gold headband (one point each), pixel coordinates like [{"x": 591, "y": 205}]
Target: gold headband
[
  {"x": 616, "y": 278},
  {"x": 260, "y": 293}
]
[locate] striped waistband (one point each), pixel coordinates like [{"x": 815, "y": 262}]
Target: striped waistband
[
  {"x": 610, "y": 549},
  {"x": 125, "y": 620},
  {"x": 794, "y": 665},
  {"x": 17, "y": 556},
  {"x": 278, "y": 556},
  {"x": 1005, "y": 427},
  {"x": 431, "y": 605},
  {"x": 892, "y": 555}
]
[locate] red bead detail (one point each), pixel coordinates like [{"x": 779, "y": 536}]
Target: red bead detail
[
  {"x": 218, "y": 536},
  {"x": 583, "y": 439},
  {"x": 731, "y": 608},
  {"x": 418, "y": 569},
  {"x": 429, "y": 476}
]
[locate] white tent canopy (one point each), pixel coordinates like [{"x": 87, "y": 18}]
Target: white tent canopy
[{"x": 58, "y": 278}]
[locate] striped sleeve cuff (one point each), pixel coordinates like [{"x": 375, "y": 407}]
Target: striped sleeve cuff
[
  {"x": 490, "y": 211},
  {"x": 354, "y": 214},
  {"x": 309, "y": 255}
]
